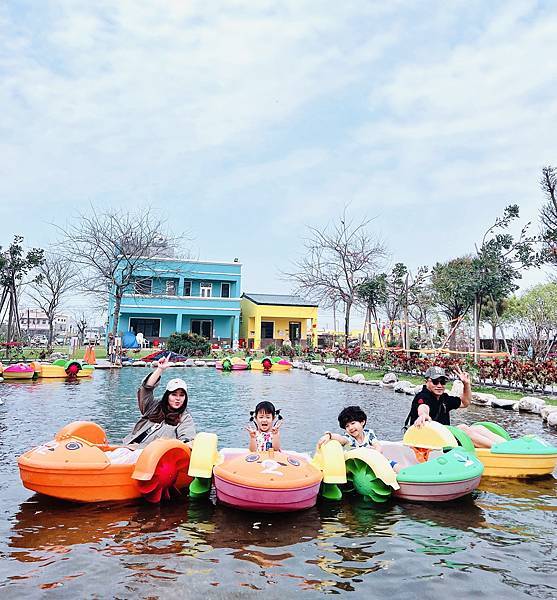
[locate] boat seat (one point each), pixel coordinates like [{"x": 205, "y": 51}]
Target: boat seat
[
  {"x": 123, "y": 456},
  {"x": 403, "y": 455}
]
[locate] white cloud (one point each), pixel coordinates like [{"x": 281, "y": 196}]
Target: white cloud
[{"x": 399, "y": 109}]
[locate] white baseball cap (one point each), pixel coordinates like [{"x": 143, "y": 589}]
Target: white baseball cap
[{"x": 176, "y": 384}]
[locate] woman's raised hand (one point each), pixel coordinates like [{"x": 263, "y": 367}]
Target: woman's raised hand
[{"x": 164, "y": 363}]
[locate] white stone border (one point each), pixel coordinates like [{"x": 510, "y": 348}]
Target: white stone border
[{"x": 527, "y": 404}]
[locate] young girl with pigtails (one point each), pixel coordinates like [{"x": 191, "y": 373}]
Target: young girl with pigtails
[{"x": 264, "y": 434}]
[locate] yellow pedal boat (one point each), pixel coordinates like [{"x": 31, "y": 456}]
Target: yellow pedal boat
[{"x": 524, "y": 457}]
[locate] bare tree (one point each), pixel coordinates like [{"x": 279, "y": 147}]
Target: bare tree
[
  {"x": 548, "y": 212},
  {"x": 109, "y": 248},
  {"x": 337, "y": 260},
  {"x": 58, "y": 277},
  {"x": 81, "y": 322}
]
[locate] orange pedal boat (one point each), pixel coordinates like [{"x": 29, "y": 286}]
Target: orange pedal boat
[{"x": 76, "y": 466}]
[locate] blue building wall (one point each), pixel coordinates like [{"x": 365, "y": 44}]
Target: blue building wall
[{"x": 150, "y": 297}]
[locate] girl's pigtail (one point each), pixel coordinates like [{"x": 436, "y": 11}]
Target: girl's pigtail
[{"x": 251, "y": 415}]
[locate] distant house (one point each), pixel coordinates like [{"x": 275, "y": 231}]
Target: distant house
[
  {"x": 273, "y": 318},
  {"x": 35, "y": 322},
  {"x": 170, "y": 295}
]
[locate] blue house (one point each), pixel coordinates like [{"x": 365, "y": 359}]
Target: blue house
[{"x": 193, "y": 296}]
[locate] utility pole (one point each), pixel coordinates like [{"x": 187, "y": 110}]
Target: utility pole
[
  {"x": 334, "y": 324},
  {"x": 406, "y": 328},
  {"x": 476, "y": 331}
]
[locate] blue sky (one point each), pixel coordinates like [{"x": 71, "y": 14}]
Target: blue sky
[{"x": 243, "y": 122}]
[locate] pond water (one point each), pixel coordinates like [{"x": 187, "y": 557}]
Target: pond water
[{"x": 498, "y": 542}]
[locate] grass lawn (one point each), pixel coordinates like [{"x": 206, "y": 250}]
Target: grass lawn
[{"x": 498, "y": 393}]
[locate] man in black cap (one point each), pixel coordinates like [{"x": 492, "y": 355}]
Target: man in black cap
[{"x": 433, "y": 403}]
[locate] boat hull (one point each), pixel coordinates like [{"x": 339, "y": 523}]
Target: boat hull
[
  {"x": 265, "y": 500},
  {"x": 436, "y": 492},
  {"x": 82, "y": 485},
  {"x": 257, "y": 366},
  {"x": 78, "y": 465},
  {"x": 515, "y": 465},
  {"x": 241, "y": 367},
  {"x": 10, "y": 373}
]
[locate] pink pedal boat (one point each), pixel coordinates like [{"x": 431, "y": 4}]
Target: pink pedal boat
[
  {"x": 267, "y": 481},
  {"x": 18, "y": 371},
  {"x": 231, "y": 364}
]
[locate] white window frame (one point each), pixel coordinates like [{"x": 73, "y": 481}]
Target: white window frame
[
  {"x": 187, "y": 281},
  {"x": 201, "y": 321},
  {"x": 142, "y": 281},
  {"x": 169, "y": 283},
  {"x": 206, "y": 289}
]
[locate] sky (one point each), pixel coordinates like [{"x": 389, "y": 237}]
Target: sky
[{"x": 242, "y": 123}]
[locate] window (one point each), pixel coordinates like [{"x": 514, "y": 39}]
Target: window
[
  {"x": 170, "y": 287},
  {"x": 204, "y": 328},
  {"x": 206, "y": 289},
  {"x": 225, "y": 290},
  {"x": 267, "y": 330},
  {"x": 295, "y": 331},
  {"x": 143, "y": 285},
  {"x": 187, "y": 288},
  {"x": 148, "y": 327}
]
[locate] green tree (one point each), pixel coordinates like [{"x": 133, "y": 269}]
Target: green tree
[
  {"x": 373, "y": 294},
  {"x": 15, "y": 264},
  {"x": 453, "y": 290},
  {"x": 535, "y": 317},
  {"x": 499, "y": 263},
  {"x": 495, "y": 313},
  {"x": 396, "y": 295}
]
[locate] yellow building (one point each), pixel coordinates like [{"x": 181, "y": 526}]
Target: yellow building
[{"x": 272, "y": 318}]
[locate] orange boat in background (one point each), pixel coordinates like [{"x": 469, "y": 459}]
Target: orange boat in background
[{"x": 76, "y": 465}]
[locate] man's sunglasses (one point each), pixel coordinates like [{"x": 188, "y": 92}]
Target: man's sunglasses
[{"x": 439, "y": 380}]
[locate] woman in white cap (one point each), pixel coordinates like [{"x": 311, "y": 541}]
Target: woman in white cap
[{"x": 165, "y": 418}]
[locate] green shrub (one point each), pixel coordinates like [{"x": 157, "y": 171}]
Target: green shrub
[
  {"x": 188, "y": 344},
  {"x": 271, "y": 349}
]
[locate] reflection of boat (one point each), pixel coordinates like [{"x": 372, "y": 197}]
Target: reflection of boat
[
  {"x": 192, "y": 528},
  {"x": 18, "y": 371},
  {"x": 76, "y": 466},
  {"x": 268, "y": 481},
  {"x": 231, "y": 364},
  {"x": 511, "y": 490},
  {"x": 527, "y": 456}
]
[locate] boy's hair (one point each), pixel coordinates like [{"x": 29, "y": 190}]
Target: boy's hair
[
  {"x": 349, "y": 414},
  {"x": 267, "y": 407}
]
